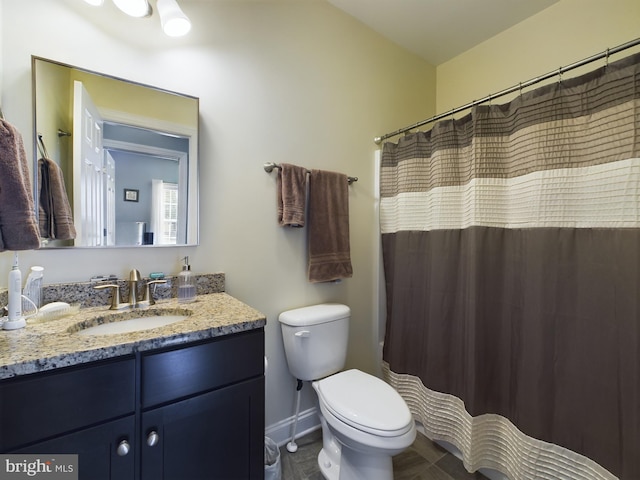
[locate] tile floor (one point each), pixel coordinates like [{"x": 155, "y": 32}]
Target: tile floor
[{"x": 424, "y": 460}]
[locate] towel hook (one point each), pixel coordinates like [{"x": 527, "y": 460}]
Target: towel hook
[{"x": 42, "y": 147}]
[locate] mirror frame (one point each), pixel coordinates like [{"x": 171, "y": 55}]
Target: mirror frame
[{"x": 113, "y": 116}]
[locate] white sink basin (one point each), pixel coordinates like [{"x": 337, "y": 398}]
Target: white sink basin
[{"x": 132, "y": 325}]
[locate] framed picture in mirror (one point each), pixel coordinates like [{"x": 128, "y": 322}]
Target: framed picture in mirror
[{"x": 131, "y": 195}]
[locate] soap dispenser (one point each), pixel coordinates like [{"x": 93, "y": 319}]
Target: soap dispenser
[{"x": 186, "y": 284}]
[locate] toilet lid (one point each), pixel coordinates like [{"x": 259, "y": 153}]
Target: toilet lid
[{"x": 365, "y": 402}]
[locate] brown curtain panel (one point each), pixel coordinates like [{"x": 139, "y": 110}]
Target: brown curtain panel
[{"x": 511, "y": 244}]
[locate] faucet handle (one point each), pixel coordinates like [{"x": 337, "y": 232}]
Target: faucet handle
[
  {"x": 116, "y": 301},
  {"x": 147, "y": 296}
]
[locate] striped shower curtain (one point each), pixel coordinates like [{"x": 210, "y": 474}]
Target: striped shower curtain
[{"x": 511, "y": 244}]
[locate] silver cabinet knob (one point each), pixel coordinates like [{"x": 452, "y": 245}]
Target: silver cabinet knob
[
  {"x": 153, "y": 438},
  {"x": 123, "y": 448}
]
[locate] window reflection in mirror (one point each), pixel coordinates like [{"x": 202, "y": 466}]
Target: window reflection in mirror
[{"x": 127, "y": 153}]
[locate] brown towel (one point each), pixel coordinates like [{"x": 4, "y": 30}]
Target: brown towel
[
  {"x": 291, "y": 186},
  {"x": 55, "y": 217},
  {"x": 329, "y": 250},
  {"x": 18, "y": 226}
]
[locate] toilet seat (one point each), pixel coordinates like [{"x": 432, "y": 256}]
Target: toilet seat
[{"x": 366, "y": 403}]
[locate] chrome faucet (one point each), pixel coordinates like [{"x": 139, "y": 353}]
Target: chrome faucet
[{"x": 134, "y": 277}]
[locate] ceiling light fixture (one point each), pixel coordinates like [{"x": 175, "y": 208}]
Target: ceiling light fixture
[
  {"x": 174, "y": 22},
  {"x": 134, "y": 8}
]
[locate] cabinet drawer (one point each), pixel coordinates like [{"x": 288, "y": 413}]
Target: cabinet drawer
[
  {"x": 41, "y": 406},
  {"x": 182, "y": 372}
]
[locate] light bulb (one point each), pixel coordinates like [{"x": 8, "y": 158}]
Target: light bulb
[
  {"x": 134, "y": 8},
  {"x": 177, "y": 27},
  {"x": 174, "y": 22}
]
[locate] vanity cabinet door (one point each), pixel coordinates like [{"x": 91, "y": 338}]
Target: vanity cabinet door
[
  {"x": 216, "y": 435},
  {"x": 101, "y": 453}
]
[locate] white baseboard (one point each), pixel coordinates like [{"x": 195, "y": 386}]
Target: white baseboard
[{"x": 280, "y": 432}]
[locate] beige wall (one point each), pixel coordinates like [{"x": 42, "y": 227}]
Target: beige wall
[
  {"x": 564, "y": 33},
  {"x": 54, "y": 111},
  {"x": 281, "y": 81},
  {"x": 135, "y": 99}
]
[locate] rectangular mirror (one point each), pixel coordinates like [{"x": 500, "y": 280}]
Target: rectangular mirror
[{"x": 127, "y": 154}]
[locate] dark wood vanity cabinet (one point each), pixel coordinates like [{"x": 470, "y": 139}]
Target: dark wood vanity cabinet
[{"x": 192, "y": 412}]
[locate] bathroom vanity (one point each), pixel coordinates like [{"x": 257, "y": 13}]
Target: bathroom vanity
[{"x": 179, "y": 402}]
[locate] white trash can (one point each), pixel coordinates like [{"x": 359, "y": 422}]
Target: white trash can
[{"x": 272, "y": 462}]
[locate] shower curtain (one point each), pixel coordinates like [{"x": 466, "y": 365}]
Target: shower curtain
[{"x": 511, "y": 245}]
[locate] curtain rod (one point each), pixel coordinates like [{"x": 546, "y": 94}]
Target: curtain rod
[{"x": 519, "y": 86}]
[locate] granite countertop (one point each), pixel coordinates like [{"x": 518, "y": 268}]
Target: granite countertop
[{"x": 42, "y": 346}]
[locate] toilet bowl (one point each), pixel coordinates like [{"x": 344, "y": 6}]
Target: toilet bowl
[{"x": 364, "y": 420}]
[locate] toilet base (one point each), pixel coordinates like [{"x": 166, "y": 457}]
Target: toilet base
[
  {"x": 356, "y": 466},
  {"x": 330, "y": 470},
  {"x": 338, "y": 462},
  {"x": 329, "y": 456}
]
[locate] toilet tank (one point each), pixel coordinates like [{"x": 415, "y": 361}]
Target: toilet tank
[{"x": 315, "y": 339}]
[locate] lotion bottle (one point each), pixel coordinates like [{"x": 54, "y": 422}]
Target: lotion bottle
[{"x": 186, "y": 284}]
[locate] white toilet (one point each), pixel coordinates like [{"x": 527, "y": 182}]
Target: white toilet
[{"x": 364, "y": 420}]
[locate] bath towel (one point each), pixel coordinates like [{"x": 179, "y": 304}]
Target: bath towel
[
  {"x": 18, "y": 225},
  {"x": 55, "y": 217},
  {"x": 329, "y": 250},
  {"x": 291, "y": 186}
]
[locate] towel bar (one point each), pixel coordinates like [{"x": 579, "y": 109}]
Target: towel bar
[{"x": 269, "y": 166}]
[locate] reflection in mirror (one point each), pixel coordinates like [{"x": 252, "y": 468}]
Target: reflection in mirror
[{"x": 128, "y": 156}]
